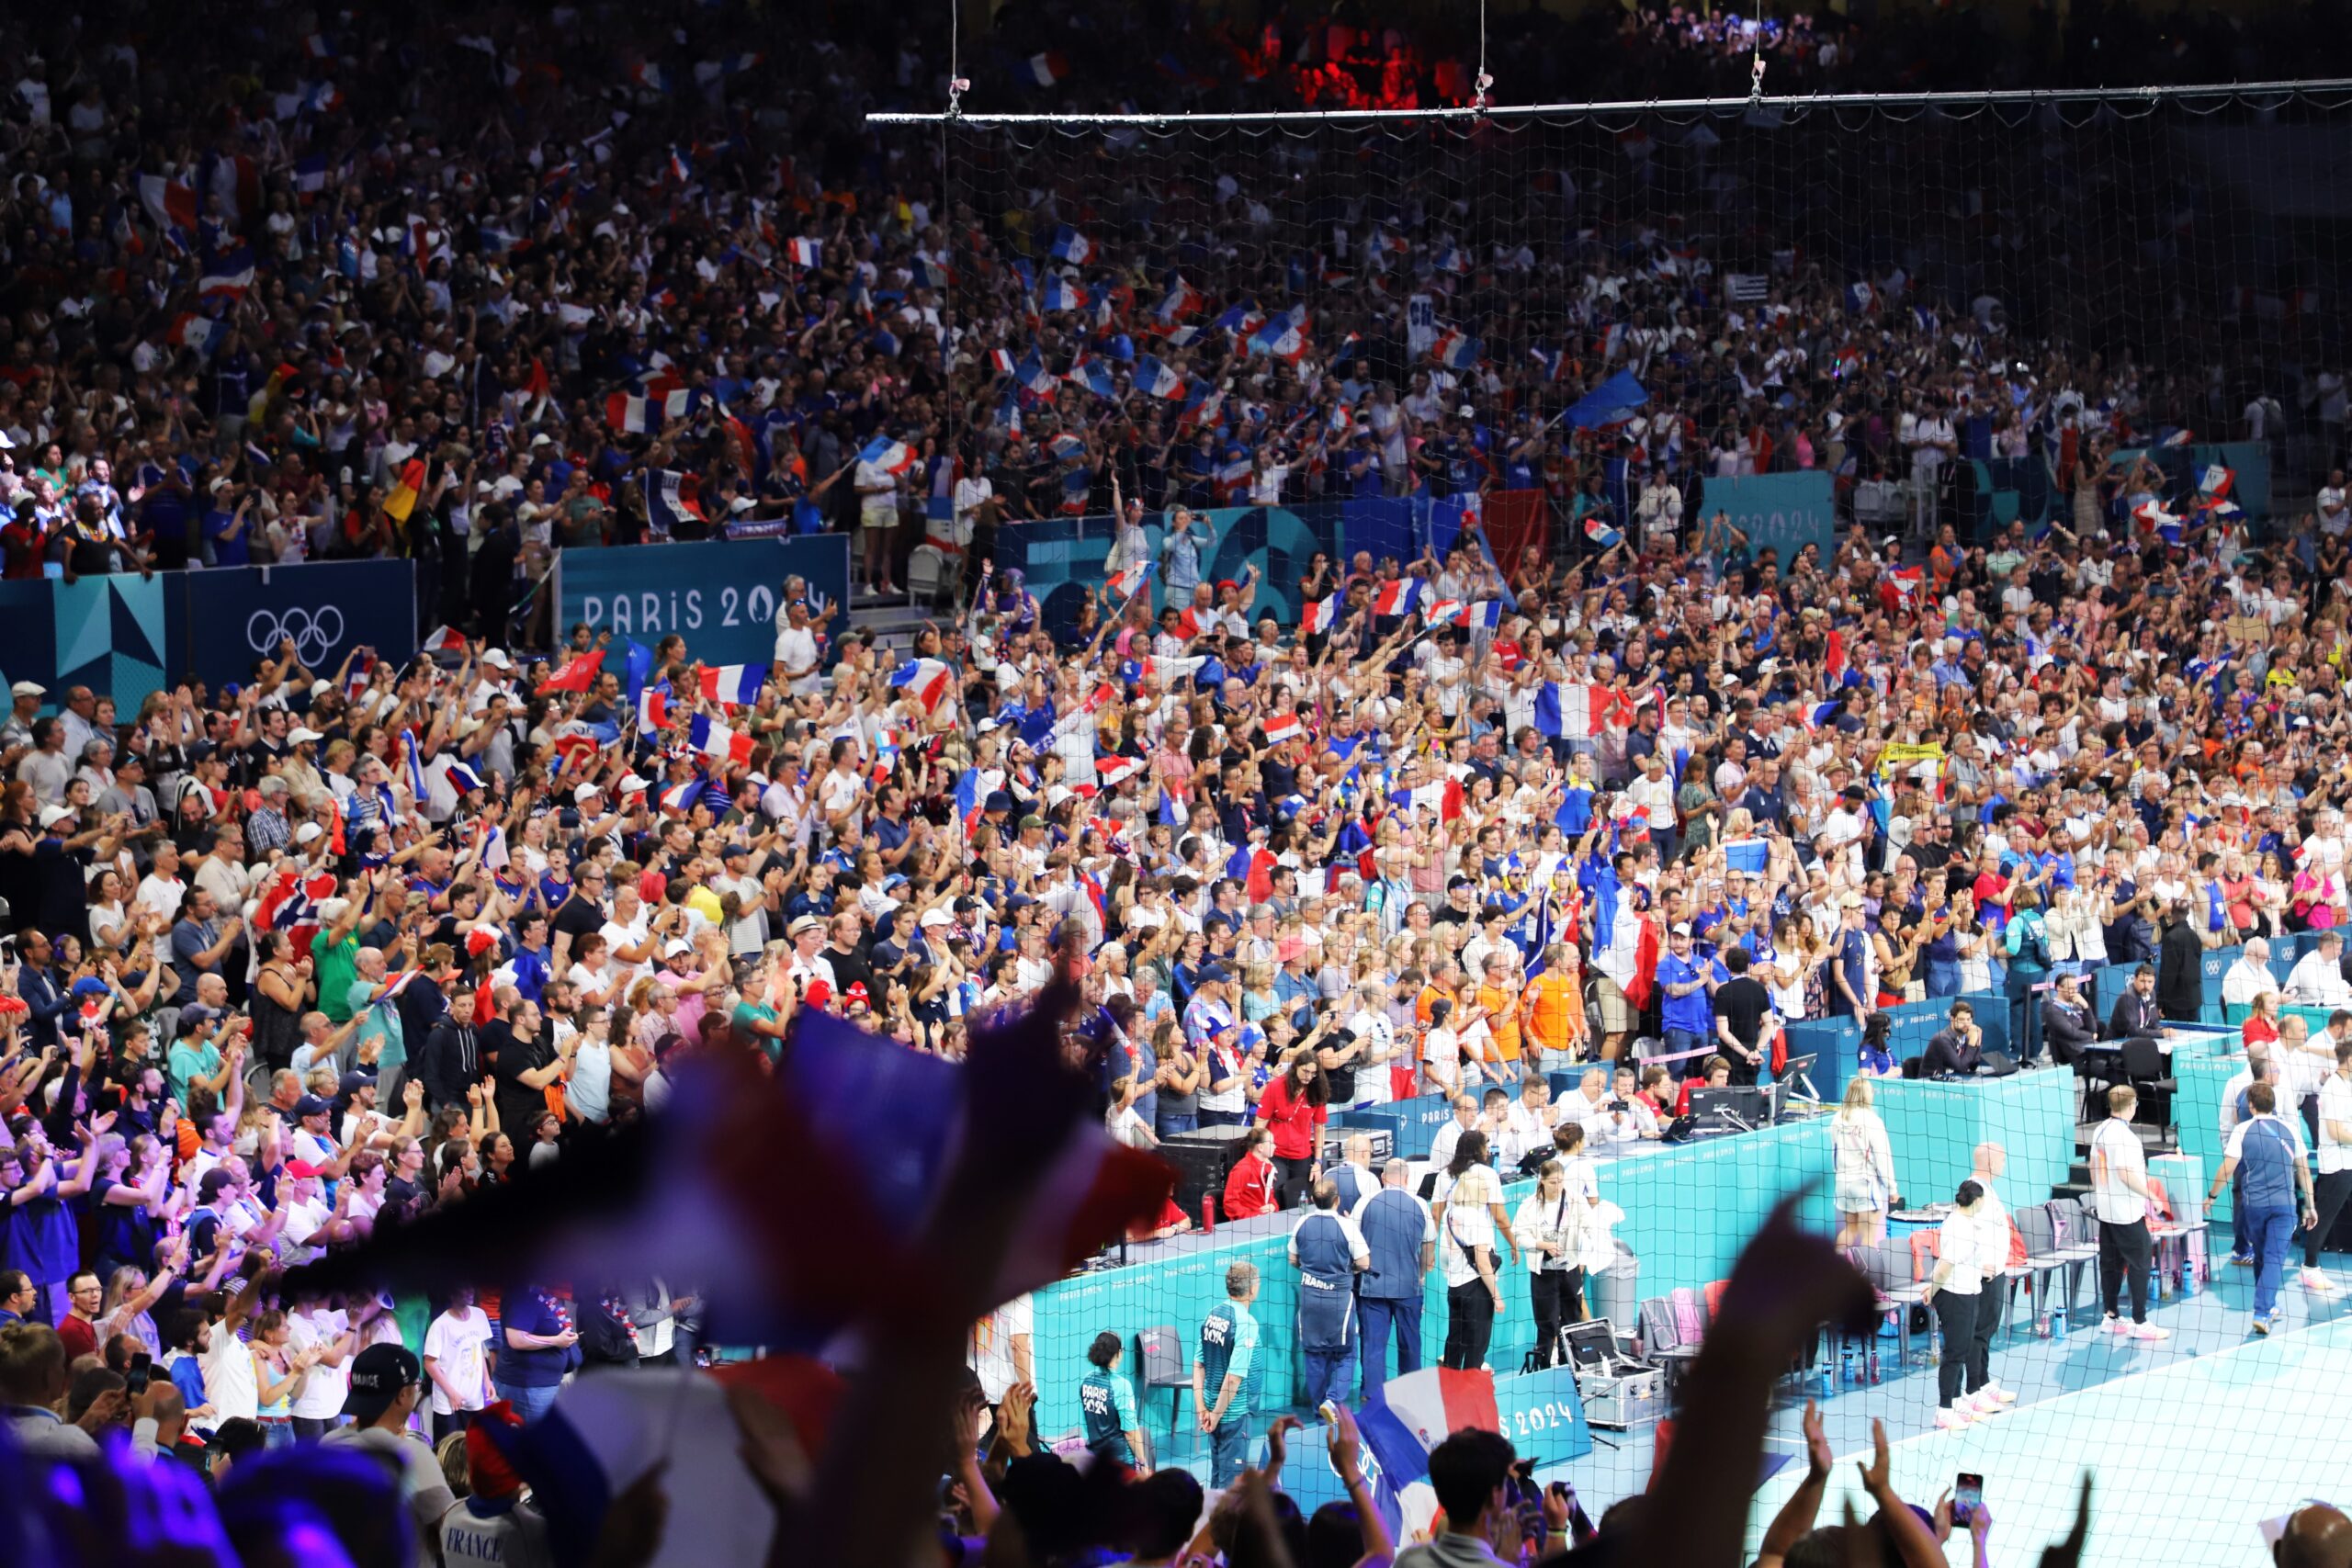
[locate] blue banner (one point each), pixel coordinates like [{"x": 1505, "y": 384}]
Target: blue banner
[
  {"x": 1543, "y": 1414},
  {"x": 1779, "y": 511},
  {"x": 237, "y": 616},
  {"x": 720, "y": 597},
  {"x": 126, "y": 636}
]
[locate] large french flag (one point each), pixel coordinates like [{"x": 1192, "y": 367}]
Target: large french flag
[
  {"x": 172, "y": 202},
  {"x": 672, "y": 498},
  {"x": 925, "y": 680},
  {"x": 1406, "y": 1417},
  {"x": 1154, "y": 379},
  {"x": 1562, "y": 708},
  {"x": 718, "y": 740},
  {"x": 1396, "y": 598},
  {"x": 737, "y": 685},
  {"x": 1127, "y": 582},
  {"x": 229, "y": 272},
  {"x": 890, "y": 456}
]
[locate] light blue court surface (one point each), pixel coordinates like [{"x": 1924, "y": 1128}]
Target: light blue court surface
[{"x": 2192, "y": 1441}]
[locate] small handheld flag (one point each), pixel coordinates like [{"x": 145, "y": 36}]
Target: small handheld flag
[{"x": 737, "y": 685}]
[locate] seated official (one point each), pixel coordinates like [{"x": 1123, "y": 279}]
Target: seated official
[
  {"x": 1958, "y": 1047},
  {"x": 2136, "y": 1010},
  {"x": 2068, "y": 1026}
]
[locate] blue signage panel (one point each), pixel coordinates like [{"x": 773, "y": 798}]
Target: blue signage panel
[
  {"x": 1779, "y": 511},
  {"x": 720, "y": 597},
  {"x": 239, "y": 615}
]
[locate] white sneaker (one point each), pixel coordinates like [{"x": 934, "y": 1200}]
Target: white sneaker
[
  {"x": 2148, "y": 1331},
  {"x": 2317, "y": 1283},
  {"x": 1982, "y": 1404},
  {"x": 1995, "y": 1393},
  {"x": 2117, "y": 1325},
  {"x": 1951, "y": 1419}
]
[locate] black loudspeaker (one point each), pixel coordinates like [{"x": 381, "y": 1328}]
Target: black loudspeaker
[{"x": 1203, "y": 1159}]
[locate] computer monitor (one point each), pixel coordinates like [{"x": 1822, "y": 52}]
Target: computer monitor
[{"x": 1745, "y": 1102}]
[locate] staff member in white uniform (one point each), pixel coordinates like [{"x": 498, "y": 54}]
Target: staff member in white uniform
[
  {"x": 2119, "y": 1203},
  {"x": 1956, "y": 1292},
  {"x": 2335, "y": 1184}
]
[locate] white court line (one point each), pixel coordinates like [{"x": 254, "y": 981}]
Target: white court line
[
  {"x": 2270, "y": 1341},
  {"x": 2118, "y": 1461}
]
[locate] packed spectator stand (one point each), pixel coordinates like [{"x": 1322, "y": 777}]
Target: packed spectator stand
[{"x": 332, "y": 950}]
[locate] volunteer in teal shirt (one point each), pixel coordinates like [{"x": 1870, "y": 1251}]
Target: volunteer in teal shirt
[
  {"x": 1106, "y": 1404},
  {"x": 1223, "y": 1374}
]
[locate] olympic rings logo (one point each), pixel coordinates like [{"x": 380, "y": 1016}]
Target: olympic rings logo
[{"x": 313, "y": 634}]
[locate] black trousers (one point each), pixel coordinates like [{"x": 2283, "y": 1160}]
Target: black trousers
[
  {"x": 2124, "y": 1250},
  {"x": 1295, "y": 1175},
  {"x": 1962, "y": 1369},
  {"x": 1557, "y": 1296},
  {"x": 1469, "y": 1325},
  {"x": 2328, "y": 1193}
]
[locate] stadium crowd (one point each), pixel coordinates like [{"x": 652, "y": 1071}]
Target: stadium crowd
[{"x": 331, "y": 949}]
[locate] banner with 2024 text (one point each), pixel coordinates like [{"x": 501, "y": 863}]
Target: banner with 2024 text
[{"x": 721, "y": 596}]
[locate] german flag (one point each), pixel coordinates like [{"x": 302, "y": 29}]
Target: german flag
[{"x": 405, "y": 490}]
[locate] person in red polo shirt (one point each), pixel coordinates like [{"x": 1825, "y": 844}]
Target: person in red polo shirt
[
  {"x": 1294, "y": 1107},
  {"x": 1250, "y": 1185}
]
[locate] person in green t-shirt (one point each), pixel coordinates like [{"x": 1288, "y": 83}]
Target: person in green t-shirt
[{"x": 336, "y": 951}]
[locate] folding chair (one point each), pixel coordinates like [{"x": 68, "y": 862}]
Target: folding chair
[
  {"x": 2143, "y": 1069},
  {"x": 2078, "y": 1237},
  {"x": 1890, "y": 1267},
  {"x": 1159, "y": 1355},
  {"x": 2179, "y": 1240},
  {"x": 1662, "y": 1343},
  {"x": 2042, "y": 1261}
]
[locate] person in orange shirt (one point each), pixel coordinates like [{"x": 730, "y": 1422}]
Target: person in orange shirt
[
  {"x": 1498, "y": 996},
  {"x": 1554, "y": 1008}
]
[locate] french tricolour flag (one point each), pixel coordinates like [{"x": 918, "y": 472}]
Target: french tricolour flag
[
  {"x": 802, "y": 253},
  {"x": 1154, "y": 379},
  {"x": 890, "y": 456},
  {"x": 173, "y": 202},
  {"x": 1486, "y": 614},
  {"x": 1396, "y": 598},
  {"x": 654, "y": 709},
  {"x": 1127, "y": 582},
  {"x": 1446, "y": 612},
  {"x": 1283, "y": 337},
  {"x": 1570, "y": 710},
  {"x": 1282, "y": 728},
  {"x": 445, "y": 639},
  {"x": 1113, "y": 772},
  {"x": 1321, "y": 615},
  {"x": 1406, "y": 1417},
  {"x": 737, "y": 685},
  {"x": 718, "y": 740},
  {"x": 925, "y": 680},
  {"x": 1455, "y": 350},
  {"x": 2215, "y": 481},
  {"x": 1071, "y": 246},
  {"x": 670, "y": 498},
  {"x": 231, "y": 272},
  {"x": 679, "y": 798},
  {"x": 1045, "y": 69},
  {"x": 1060, "y": 294},
  {"x": 1602, "y": 536}
]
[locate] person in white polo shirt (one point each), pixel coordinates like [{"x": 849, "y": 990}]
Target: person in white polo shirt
[
  {"x": 2334, "y": 1183},
  {"x": 2250, "y": 976},
  {"x": 2119, "y": 1203},
  {"x": 1967, "y": 1254},
  {"x": 2317, "y": 978}
]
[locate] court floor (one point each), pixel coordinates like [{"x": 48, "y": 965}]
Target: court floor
[{"x": 2192, "y": 1441}]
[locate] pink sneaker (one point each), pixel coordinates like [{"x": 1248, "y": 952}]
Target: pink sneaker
[
  {"x": 2117, "y": 1325},
  {"x": 2149, "y": 1331},
  {"x": 1952, "y": 1418}
]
